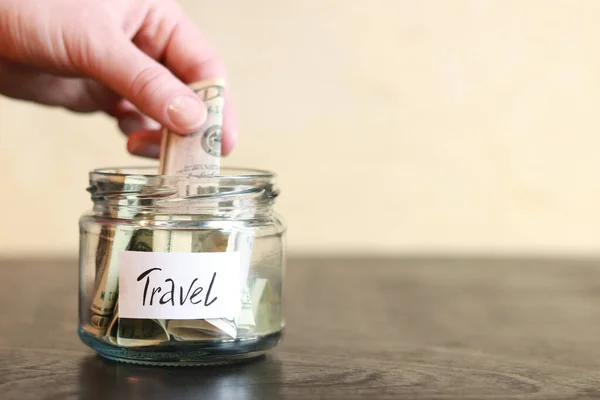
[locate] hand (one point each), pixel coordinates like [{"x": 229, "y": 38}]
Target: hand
[{"x": 129, "y": 58}]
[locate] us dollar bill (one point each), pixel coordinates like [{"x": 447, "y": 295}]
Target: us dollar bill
[
  {"x": 210, "y": 241},
  {"x": 197, "y": 241},
  {"x": 255, "y": 304},
  {"x": 111, "y": 242},
  {"x": 198, "y": 153},
  {"x": 232, "y": 241},
  {"x": 130, "y": 332},
  {"x": 202, "y": 329}
]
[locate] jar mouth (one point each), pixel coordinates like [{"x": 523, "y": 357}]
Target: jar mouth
[
  {"x": 151, "y": 172},
  {"x": 143, "y": 188}
]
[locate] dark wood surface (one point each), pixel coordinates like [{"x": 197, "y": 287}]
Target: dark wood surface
[{"x": 355, "y": 329}]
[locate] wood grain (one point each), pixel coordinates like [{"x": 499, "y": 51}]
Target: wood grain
[{"x": 377, "y": 329}]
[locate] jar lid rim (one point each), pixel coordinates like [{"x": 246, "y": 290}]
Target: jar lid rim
[{"x": 146, "y": 172}]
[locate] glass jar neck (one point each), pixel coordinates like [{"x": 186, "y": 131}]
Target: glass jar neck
[{"x": 127, "y": 193}]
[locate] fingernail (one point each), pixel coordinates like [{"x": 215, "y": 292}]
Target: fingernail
[{"x": 187, "y": 113}]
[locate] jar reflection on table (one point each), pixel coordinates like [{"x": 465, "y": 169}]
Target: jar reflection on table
[
  {"x": 99, "y": 379},
  {"x": 136, "y": 211}
]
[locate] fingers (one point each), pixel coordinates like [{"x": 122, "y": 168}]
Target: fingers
[
  {"x": 134, "y": 121},
  {"x": 145, "y": 143},
  {"x": 229, "y": 136},
  {"x": 77, "y": 94},
  {"x": 170, "y": 36},
  {"x": 144, "y": 133},
  {"x": 158, "y": 91},
  {"x": 151, "y": 87},
  {"x": 131, "y": 120}
]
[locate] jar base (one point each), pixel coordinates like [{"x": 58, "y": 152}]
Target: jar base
[{"x": 185, "y": 354}]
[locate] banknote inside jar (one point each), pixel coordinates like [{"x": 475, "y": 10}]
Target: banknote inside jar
[{"x": 256, "y": 293}]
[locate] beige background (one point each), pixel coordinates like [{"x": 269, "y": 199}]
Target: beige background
[{"x": 395, "y": 126}]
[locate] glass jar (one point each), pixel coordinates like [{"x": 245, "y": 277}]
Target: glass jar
[{"x": 181, "y": 270}]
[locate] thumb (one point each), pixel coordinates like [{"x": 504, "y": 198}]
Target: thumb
[{"x": 151, "y": 87}]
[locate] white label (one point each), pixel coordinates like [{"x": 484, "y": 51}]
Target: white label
[{"x": 179, "y": 285}]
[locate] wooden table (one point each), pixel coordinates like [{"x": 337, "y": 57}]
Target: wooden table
[{"x": 356, "y": 329}]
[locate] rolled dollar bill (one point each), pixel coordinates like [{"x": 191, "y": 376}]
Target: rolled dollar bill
[
  {"x": 142, "y": 240},
  {"x": 129, "y": 332},
  {"x": 197, "y": 241},
  {"x": 197, "y": 154},
  {"x": 110, "y": 243},
  {"x": 261, "y": 299},
  {"x": 98, "y": 324},
  {"x": 124, "y": 238},
  {"x": 202, "y": 329},
  {"x": 200, "y": 152},
  {"x": 253, "y": 301},
  {"x": 218, "y": 241}
]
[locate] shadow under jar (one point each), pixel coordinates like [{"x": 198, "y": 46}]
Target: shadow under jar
[{"x": 181, "y": 270}]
